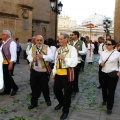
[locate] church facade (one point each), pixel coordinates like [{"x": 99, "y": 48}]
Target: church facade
[{"x": 26, "y": 18}]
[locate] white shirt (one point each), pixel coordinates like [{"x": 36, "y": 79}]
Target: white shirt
[
  {"x": 84, "y": 48},
  {"x": 91, "y": 46},
  {"x": 13, "y": 49},
  {"x": 101, "y": 48},
  {"x": 71, "y": 62},
  {"x": 112, "y": 63},
  {"x": 53, "y": 50},
  {"x": 48, "y": 57}
]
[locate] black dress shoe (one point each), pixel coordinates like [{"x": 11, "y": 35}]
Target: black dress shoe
[
  {"x": 13, "y": 92},
  {"x": 103, "y": 103},
  {"x": 32, "y": 106},
  {"x": 63, "y": 116},
  {"x": 58, "y": 107},
  {"x": 48, "y": 103},
  {"x": 109, "y": 112},
  {"x": 99, "y": 87}
]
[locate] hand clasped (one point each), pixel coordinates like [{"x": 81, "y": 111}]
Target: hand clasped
[{"x": 61, "y": 57}]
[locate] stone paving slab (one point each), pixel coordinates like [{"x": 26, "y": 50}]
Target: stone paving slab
[{"x": 85, "y": 106}]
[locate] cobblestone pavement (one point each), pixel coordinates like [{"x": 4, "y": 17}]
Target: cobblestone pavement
[{"x": 85, "y": 106}]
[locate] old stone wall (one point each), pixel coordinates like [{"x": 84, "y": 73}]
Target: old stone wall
[
  {"x": 43, "y": 19},
  {"x": 11, "y": 18},
  {"x": 25, "y": 18},
  {"x": 117, "y": 21}
]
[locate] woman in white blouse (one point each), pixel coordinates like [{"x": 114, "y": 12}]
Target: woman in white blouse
[{"x": 109, "y": 83}]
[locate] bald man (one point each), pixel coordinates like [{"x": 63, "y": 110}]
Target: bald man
[{"x": 39, "y": 56}]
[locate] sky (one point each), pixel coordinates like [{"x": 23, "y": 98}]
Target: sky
[{"x": 81, "y": 9}]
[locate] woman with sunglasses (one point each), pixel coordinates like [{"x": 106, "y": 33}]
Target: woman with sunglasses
[{"x": 109, "y": 60}]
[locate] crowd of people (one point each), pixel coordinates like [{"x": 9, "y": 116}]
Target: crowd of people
[{"x": 66, "y": 57}]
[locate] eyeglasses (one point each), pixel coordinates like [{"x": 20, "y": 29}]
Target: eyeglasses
[
  {"x": 108, "y": 44},
  {"x": 61, "y": 39},
  {"x": 71, "y": 34},
  {"x": 39, "y": 39}
]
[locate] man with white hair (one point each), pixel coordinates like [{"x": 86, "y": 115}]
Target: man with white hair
[
  {"x": 39, "y": 56},
  {"x": 66, "y": 59},
  {"x": 9, "y": 54}
]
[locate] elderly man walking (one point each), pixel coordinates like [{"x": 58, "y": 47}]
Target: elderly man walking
[
  {"x": 66, "y": 58},
  {"x": 39, "y": 56},
  {"x": 9, "y": 54}
]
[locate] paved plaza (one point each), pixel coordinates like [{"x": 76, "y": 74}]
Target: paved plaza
[{"x": 86, "y": 105}]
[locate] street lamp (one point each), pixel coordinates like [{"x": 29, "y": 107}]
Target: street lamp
[
  {"x": 106, "y": 25},
  {"x": 56, "y": 8}
]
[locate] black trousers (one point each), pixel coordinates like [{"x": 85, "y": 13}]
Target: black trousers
[
  {"x": 18, "y": 56},
  {"x": 99, "y": 75},
  {"x": 12, "y": 71},
  {"x": 108, "y": 89},
  {"x": 64, "y": 98},
  {"x": 83, "y": 62},
  {"x": 39, "y": 83},
  {"x": 8, "y": 80},
  {"x": 75, "y": 86}
]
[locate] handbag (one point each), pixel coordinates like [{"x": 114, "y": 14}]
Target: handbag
[
  {"x": 113, "y": 74},
  {"x": 48, "y": 68},
  {"x": 100, "y": 67},
  {"x": 51, "y": 65},
  {"x": 70, "y": 73}
]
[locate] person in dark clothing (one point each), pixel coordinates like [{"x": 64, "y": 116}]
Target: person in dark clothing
[
  {"x": 84, "y": 55},
  {"x": 19, "y": 49},
  {"x": 96, "y": 47},
  {"x": 109, "y": 60}
]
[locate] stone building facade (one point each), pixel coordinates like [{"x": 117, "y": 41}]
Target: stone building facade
[
  {"x": 117, "y": 21},
  {"x": 43, "y": 19},
  {"x": 16, "y": 16},
  {"x": 25, "y": 18},
  {"x": 67, "y": 25}
]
